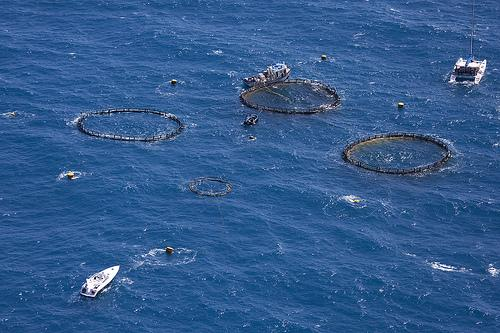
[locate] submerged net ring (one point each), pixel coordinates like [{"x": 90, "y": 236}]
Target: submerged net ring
[
  {"x": 195, "y": 184},
  {"x": 446, "y": 155},
  {"x": 329, "y": 94},
  {"x": 80, "y": 124}
]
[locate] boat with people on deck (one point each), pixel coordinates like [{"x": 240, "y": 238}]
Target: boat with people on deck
[{"x": 272, "y": 74}]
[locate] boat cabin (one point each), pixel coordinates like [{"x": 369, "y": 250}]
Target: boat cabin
[
  {"x": 468, "y": 70},
  {"x": 274, "y": 73}
]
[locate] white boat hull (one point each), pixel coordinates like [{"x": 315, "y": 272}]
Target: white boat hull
[
  {"x": 475, "y": 79},
  {"x": 97, "y": 282}
]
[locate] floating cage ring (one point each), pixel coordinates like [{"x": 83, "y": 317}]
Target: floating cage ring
[
  {"x": 196, "y": 183},
  {"x": 317, "y": 86},
  {"x": 80, "y": 124},
  {"x": 348, "y": 150}
]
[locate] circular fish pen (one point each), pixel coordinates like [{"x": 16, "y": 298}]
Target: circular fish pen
[
  {"x": 292, "y": 96},
  {"x": 412, "y": 153},
  {"x": 163, "y": 131},
  {"x": 210, "y": 186}
]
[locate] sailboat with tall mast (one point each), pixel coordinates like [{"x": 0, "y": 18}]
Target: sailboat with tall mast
[{"x": 469, "y": 70}]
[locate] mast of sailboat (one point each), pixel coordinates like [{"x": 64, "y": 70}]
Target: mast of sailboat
[{"x": 472, "y": 33}]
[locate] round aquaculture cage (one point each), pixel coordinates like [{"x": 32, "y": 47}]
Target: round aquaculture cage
[
  {"x": 398, "y": 153},
  {"x": 210, "y": 186},
  {"x": 146, "y": 129},
  {"x": 292, "y": 96}
]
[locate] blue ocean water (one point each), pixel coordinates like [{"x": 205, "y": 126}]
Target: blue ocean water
[{"x": 285, "y": 251}]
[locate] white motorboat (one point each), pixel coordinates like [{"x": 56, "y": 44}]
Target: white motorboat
[
  {"x": 469, "y": 70},
  {"x": 272, "y": 74},
  {"x": 97, "y": 282}
]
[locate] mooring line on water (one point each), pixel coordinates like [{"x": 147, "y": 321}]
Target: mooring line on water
[
  {"x": 277, "y": 94},
  {"x": 328, "y": 92}
]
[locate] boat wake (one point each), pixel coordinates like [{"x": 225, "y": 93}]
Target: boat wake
[
  {"x": 165, "y": 89},
  {"x": 447, "y": 268},
  {"x": 12, "y": 114},
  {"x": 158, "y": 257}
]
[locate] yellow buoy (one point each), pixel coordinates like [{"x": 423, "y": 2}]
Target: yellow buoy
[
  {"x": 173, "y": 82},
  {"x": 401, "y": 105},
  {"x": 70, "y": 174},
  {"x": 169, "y": 250},
  {"x": 323, "y": 57}
]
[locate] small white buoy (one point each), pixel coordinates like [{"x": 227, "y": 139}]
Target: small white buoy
[{"x": 401, "y": 105}]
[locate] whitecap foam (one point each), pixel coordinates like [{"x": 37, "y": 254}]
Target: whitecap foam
[
  {"x": 359, "y": 34},
  {"x": 126, "y": 280},
  {"x": 129, "y": 186},
  {"x": 73, "y": 122},
  {"x": 279, "y": 249},
  {"x": 353, "y": 200},
  {"x": 447, "y": 268},
  {"x": 493, "y": 271},
  {"x": 216, "y": 52}
]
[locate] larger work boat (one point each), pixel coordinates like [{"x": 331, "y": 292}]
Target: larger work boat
[
  {"x": 469, "y": 70},
  {"x": 272, "y": 74}
]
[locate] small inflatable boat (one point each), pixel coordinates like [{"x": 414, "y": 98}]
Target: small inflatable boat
[{"x": 251, "y": 120}]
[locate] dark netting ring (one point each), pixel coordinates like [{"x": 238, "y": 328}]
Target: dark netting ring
[
  {"x": 347, "y": 153},
  {"x": 327, "y": 91},
  {"x": 195, "y": 183},
  {"x": 80, "y": 124}
]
